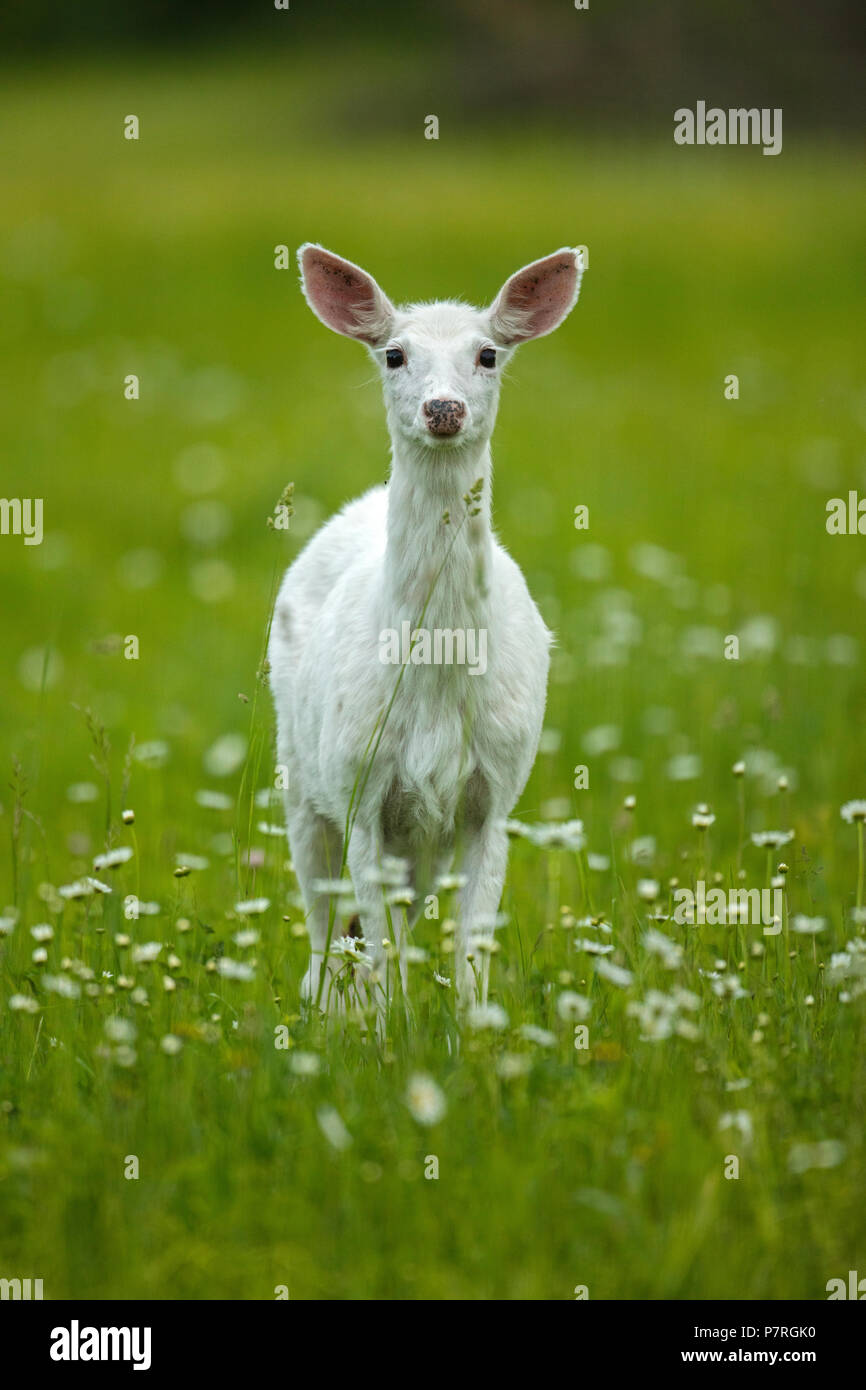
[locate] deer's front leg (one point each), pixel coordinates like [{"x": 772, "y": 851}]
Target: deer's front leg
[
  {"x": 483, "y": 863},
  {"x": 364, "y": 857}
]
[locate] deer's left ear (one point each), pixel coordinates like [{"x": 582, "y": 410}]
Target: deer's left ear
[
  {"x": 537, "y": 298},
  {"x": 344, "y": 296}
]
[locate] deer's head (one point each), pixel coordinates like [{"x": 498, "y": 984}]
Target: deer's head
[{"x": 441, "y": 363}]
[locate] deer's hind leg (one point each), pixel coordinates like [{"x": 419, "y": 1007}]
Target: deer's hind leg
[{"x": 317, "y": 853}]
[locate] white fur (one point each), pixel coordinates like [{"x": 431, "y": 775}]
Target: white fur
[{"x": 456, "y": 748}]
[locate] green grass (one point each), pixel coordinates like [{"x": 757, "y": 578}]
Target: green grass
[{"x": 601, "y": 1166}]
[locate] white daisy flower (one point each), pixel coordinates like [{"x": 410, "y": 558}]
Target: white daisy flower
[
  {"x": 684, "y": 767},
  {"x": 82, "y": 792},
  {"x": 598, "y": 863},
  {"x": 252, "y": 907},
  {"x": 648, "y": 889},
  {"x": 120, "y": 1030},
  {"x": 485, "y": 944},
  {"x": 592, "y": 948},
  {"x": 96, "y": 885},
  {"x": 113, "y": 858},
  {"x": 656, "y": 1024},
  {"x": 728, "y": 986},
  {"x": 391, "y": 873},
  {"x": 353, "y": 949},
  {"x": 234, "y": 969},
  {"x": 426, "y": 1100},
  {"x": 540, "y": 1036},
  {"x": 152, "y": 754},
  {"x": 827, "y": 1153},
  {"x": 484, "y": 1016},
  {"x": 62, "y": 985},
  {"x": 82, "y": 888},
  {"x": 512, "y": 1064},
  {"x": 148, "y": 951},
  {"x": 305, "y": 1063},
  {"x": 333, "y": 887},
  {"x": 771, "y": 839},
  {"x": 400, "y": 897},
  {"x": 737, "y": 1119},
  {"x": 616, "y": 974},
  {"x": 22, "y": 1003},
  {"x": 333, "y": 1128},
  {"x": 671, "y": 952},
  {"x": 594, "y": 924},
  {"x": 572, "y": 1006},
  {"x": 562, "y": 835},
  {"x": 225, "y": 755},
  {"x": 213, "y": 800},
  {"x": 604, "y": 738},
  {"x": 807, "y": 926},
  {"x": 643, "y": 849},
  {"x": 450, "y": 883},
  {"x": 192, "y": 861}
]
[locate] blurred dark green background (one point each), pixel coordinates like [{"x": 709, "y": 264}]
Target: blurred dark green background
[{"x": 618, "y": 62}]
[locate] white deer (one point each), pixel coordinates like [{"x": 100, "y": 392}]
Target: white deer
[{"x": 418, "y": 761}]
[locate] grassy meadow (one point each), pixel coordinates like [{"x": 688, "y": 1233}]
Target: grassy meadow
[{"x": 276, "y": 1152}]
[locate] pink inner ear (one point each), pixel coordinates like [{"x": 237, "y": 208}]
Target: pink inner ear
[
  {"x": 341, "y": 294},
  {"x": 538, "y": 298}
]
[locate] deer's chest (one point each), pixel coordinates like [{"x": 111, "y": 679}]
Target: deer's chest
[{"x": 435, "y": 774}]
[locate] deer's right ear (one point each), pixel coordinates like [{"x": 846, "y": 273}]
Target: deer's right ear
[
  {"x": 537, "y": 298},
  {"x": 343, "y": 296}
]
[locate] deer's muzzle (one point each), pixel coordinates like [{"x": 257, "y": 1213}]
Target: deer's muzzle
[{"x": 444, "y": 417}]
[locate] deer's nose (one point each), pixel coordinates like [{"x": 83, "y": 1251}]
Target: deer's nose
[{"x": 444, "y": 417}]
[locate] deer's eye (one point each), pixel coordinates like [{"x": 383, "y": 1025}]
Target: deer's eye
[
  {"x": 487, "y": 357},
  {"x": 395, "y": 357}
]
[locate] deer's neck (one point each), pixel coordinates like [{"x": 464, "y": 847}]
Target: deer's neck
[{"x": 436, "y": 572}]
